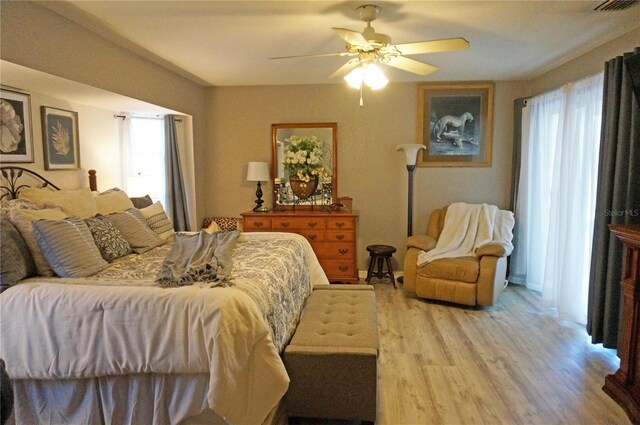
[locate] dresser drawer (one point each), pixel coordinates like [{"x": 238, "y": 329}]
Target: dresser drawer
[
  {"x": 297, "y": 223},
  {"x": 339, "y": 236},
  {"x": 340, "y": 223},
  {"x": 336, "y": 251},
  {"x": 338, "y": 269},
  {"x": 313, "y": 236},
  {"x": 257, "y": 223}
]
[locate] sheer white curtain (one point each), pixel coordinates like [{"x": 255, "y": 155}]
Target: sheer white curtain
[{"x": 556, "y": 197}]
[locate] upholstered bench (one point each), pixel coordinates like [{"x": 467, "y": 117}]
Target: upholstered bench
[{"x": 332, "y": 357}]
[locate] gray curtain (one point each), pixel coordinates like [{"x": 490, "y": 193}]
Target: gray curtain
[
  {"x": 176, "y": 195},
  {"x": 617, "y": 201}
]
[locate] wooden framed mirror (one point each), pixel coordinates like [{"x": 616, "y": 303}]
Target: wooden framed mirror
[{"x": 311, "y": 149}]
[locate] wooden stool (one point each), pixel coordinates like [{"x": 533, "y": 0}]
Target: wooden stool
[{"x": 380, "y": 254}]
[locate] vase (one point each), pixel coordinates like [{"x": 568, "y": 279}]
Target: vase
[{"x": 301, "y": 188}]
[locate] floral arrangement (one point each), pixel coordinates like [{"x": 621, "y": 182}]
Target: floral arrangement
[{"x": 303, "y": 157}]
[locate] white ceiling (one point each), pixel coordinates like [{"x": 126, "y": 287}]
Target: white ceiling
[{"x": 227, "y": 43}]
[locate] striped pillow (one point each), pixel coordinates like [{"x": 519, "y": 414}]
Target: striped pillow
[
  {"x": 68, "y": 247},
  {"x": 135, "y": 230},
  {"x": 158, "y": 221}
]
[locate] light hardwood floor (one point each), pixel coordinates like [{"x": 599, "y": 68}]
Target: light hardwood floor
[{"x": 513, "y": 363}]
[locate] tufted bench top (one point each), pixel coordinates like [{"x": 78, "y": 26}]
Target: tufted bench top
[{"x": 339, "y": 316}]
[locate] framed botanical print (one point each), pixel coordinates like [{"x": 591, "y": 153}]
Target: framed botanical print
[
  {"x": 60, "y": 139},
  {"x": 16, "y": 144},
  {"x": 455, "y": 124}
]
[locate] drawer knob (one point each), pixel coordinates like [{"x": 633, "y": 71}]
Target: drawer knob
[
  {"x": 343, "y": 268},
  {"x": 343, "y": 251},
  {"x": 340, "y": 225},
  {"x": 285, "y": 224},
  {"x": 339, "y": 237},
  {"x": 312, "y": 237},
  {"x": 313, "y": 224}
]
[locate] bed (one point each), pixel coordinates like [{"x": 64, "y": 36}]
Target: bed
[{"x": 114, "y": 347}]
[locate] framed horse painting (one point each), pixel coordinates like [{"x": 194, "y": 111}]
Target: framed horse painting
[{"x": 455, "y": 124}]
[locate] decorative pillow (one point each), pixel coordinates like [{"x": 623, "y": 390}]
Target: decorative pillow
[
  {"x": 113, "y": 200},
  {"x": 22, "y": 220},
  {"x": 78, "y": 202},
  {"x": 135, "y": 230},
  {"x": 225, "y": 223},
  {"x": 142, "y": 201},
  {"x": 108, "y": 239},
  {"x": 158, "y": 221},
  {"x": 7, "y": 205},
  {"x": 17, "y": 262},
  {"x": 68, "y": 247}
]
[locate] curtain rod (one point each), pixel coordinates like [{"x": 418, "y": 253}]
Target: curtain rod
[{"x": 124, "y": 117}]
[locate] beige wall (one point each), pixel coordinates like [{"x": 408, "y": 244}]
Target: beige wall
[
  {"x": 35, "y": 37},
  {"x": 587, "y": 64},
  {"x": 369, "y": 168}
]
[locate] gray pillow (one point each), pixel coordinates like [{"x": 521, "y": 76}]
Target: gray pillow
[
  {"x": 68, "y": 247},
  {"x": 16, "y": 262},
  {"x": 135, "y": 230},
  {"x": 142, "y": 201},
  {"x": 108, "y": 239}
]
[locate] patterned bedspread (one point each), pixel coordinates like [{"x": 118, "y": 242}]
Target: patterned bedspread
[
  {"x": 274, "y": 271},
  {"x": 118, "y": 322}
]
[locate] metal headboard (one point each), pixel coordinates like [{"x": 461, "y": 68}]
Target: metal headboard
[{"x": 12, "y": 187}]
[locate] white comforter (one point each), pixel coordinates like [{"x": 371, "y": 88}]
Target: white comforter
[
  {"x": 57, "y": 331},
  {"x": 468, "y": 227}
]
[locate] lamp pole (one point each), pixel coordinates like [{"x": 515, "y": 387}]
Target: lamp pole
[{"x": 410, "y": 169}]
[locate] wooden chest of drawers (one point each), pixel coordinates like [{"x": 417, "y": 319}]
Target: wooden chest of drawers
[{"x": 332, "y": 236}]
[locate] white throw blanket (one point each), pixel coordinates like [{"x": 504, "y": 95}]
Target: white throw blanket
[{"x": 468, "y": 227}]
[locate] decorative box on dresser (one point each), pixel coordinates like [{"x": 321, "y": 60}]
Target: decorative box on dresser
[
  {"x": 332, "y": 236},
  {"x": 624, "y": 385}
]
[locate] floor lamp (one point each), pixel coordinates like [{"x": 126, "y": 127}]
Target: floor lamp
[{"x": 411, "y": 155}]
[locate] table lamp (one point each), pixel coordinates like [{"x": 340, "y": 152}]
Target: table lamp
[{"x": 258, "y": 172}]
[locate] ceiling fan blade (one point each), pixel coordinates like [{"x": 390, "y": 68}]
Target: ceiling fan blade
[
  {"x": 411, "y": 65},
  {"x": 352, "y": 37},
  {"x": 342, "y": 71},
  {"x": 319, "y": 55},
  {"x": 432, "y": 46}
]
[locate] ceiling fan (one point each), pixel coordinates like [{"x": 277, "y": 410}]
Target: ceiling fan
[{"x": 368, "y": 47}]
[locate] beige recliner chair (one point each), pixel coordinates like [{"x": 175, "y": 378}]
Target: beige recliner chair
[{"x": 463, "y": 280}]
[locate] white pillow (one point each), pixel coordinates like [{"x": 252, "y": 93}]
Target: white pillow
[
  {"x": 77, "y": 202},
  {"x": 212, "y": 228},
  {"x": 158, "y": 221},
  {"x": 113, "y": 200}
]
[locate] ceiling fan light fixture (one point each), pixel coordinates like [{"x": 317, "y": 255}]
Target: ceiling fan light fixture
[
  {"x": 355, "y": 77},
  {"x": 374, "y": 77},
  {"x": 369, "y": 74}
]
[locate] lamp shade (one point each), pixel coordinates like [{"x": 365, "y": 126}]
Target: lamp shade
[
  {"x": 258, "y": 172},
  {"x": 410, "y": 151}
]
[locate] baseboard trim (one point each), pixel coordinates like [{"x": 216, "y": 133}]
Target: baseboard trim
[{"x": 362, "y": 274}]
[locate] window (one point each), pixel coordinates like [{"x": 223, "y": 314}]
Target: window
[{"x": 145, "y": 158}]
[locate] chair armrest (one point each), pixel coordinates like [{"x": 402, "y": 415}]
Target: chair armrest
[
  {"x": 423, "y": 242},
  {"x": 493, "y": 248}
]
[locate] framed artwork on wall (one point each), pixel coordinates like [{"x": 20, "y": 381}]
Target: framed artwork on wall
[
  {"x": 60, "y": 139},
  {"x": 455, "y": 123},
  {"x": 16, "y": 144}
]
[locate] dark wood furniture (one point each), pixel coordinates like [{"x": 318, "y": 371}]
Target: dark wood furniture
[
  {"x": 624, "y": 385},
  {"x": 380, "y": 255},
  {"x": 332, "y": 236}
]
